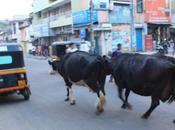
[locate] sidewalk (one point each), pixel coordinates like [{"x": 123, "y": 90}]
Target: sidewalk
[
  {"x": 148, "y": 52},
  {"x": 154, "y": 52},
  {"x": 36, "y": 57}
]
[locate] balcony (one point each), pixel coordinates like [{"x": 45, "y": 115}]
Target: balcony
[
  {"x": 60, "y": 20},
  {"x": 40, "y": 21},
  {"x": 41, "y": 27}
]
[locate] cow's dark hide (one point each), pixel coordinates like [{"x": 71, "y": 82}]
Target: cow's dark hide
[
  {"x": 85, "y": 69},
  {"x": 146, "y": 75}
]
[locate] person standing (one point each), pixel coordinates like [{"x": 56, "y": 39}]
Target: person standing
[
  {"x": 71, "y": 48},
  {"x": 116, "y": 53}
]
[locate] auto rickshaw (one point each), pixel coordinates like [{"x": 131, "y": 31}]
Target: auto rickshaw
[
  {"x": 59, "y": 49},
  {"x": 13, "y": 77}
]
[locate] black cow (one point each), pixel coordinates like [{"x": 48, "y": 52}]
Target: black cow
[
  {"x": 146, "y": 75},
  {"x": 85, "y": 69}
]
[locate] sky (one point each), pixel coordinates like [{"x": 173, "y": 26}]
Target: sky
[{"x": 9, "y": 8}]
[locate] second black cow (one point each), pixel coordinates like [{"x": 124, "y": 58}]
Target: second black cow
[
  {"x": 146, "y": 75},
  {"x": 84, "y": 69}
]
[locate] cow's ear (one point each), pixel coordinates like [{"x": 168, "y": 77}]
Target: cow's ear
[{"x": 106, "y": 59}]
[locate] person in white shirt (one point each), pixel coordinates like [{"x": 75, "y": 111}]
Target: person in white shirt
[
  {"x": 85, "y": 46},
  {"x": 71, "y": 48}
]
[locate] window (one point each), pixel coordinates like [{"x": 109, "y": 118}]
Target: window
[
  {"x": 51, "y": 1},
  {"x": 3, "y": 48},
  {"x": 39, "y": 14},
  {"x": 139, "y": 6},
  {"x": 5, "y": 60},
  {"x": 173, "y": 6},
  {"x": 167, "y": 4}
]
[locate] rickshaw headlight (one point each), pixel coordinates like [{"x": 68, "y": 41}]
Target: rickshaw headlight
[{"x": 22, "y": 76}]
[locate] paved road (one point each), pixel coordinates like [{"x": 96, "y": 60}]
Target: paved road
[{"x": 47, "y": 110}]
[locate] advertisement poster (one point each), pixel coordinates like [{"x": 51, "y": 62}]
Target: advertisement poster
[
  {"x": 122, "y": 38},
  {"x": 157, "y": 11},
  {"x": 83, "y": 17}
]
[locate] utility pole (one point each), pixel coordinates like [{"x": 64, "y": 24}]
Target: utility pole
[
  {"x": 132, "y": 23},
  {"x": 91, "y": 9}
]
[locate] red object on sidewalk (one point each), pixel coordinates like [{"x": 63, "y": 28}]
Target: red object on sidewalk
[{"x": 148, "y": 43}]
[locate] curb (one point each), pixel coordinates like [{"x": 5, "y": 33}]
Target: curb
[{"x": 37, "y": 57}]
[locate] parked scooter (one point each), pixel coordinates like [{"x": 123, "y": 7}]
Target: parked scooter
[{"x": 160, "y": 49}]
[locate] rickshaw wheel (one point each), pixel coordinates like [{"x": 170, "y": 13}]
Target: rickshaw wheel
[{"x": 26, "y": 93}]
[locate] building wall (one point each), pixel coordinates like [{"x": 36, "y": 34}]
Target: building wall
[
  {"x": 138, "y": 17},
  {"x": 173, "y": 11},
  {"x": 78, "y": 5},
  {"x": 121, "y": 34},
  {"x": 52, "y": 20},
  {"x": 103, "y": 16},
  {"x": 155, "y": 11},
  {"x": 39, "y": 5},
  {"x": 61, "y": 16},
  {"x": 120, "y": 13},
  {"x": 120, "y": 17}
]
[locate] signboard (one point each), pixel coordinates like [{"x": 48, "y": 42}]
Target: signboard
[
  {"x": 157, "y": 11},
  {"x": 122, "y": 38},
  {"x": 148, "y": 43},
  {"x": 83, "y": 17},
  {"x": 82, "y": 33},
  {"x": 120, "y": 14},
  {"x": 101, "y": 4}
]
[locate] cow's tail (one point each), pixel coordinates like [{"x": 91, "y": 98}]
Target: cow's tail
[{"x": 172, "y": 97}]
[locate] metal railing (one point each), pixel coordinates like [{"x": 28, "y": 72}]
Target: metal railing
[{"x": 57, "y": 16}]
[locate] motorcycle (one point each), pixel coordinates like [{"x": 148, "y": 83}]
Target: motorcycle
[{"x": 160, "y": 49}]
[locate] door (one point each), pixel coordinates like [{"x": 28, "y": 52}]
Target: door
[
  {"x": 97, "y": 51},
  {"x": 139, "y": 39}
]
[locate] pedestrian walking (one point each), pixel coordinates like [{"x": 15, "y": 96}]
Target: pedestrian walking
[{"x": 116, "y": 53}]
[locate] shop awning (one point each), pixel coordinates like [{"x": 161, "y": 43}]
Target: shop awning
[
  {"x": 103, "y": 27},
  {"x": 160, "y": 23},
  {"x": 172, "y": 26}
]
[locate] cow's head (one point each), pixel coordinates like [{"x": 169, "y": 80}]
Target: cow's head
[
  {"x": 54, "y": 64},
  {"x": 107, "y": 63}
]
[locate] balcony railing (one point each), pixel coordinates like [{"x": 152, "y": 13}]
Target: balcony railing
[
  {"x": 40, "y": 21},
  {"x": 57, "y": 16}
]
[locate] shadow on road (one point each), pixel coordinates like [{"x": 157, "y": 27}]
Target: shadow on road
[{"x": 11, "y": 99}]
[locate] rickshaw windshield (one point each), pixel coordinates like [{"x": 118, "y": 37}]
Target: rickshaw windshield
[
  {"x": 10, "y": 48},
  {"x": 4, "y": 60},
  {"x": 11, "y": 57}
]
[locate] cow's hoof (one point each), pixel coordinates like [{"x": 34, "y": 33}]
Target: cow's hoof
[
  {"x": 174, "y": 121},
  {"x": 124, "y": 106},
  {"x": 110, "y": 81},
  {"x": 73, "y": 103},
  {"x": 99, "y": 109},
  {"x": 66, "y": 100},
  {"x": 145, "y": 116},
  {"x": 129, "y": 106}
]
